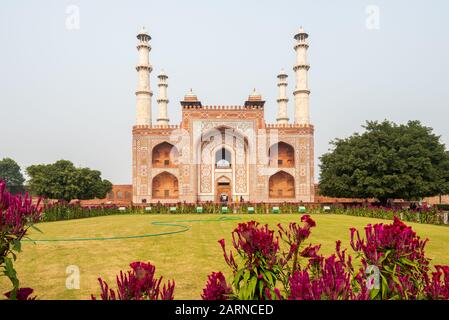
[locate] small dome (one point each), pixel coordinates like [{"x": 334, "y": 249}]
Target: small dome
[
  {"x": 190, "y": 96},
  {"x": 143, "y": 30},
  {"x": 255, "y": 96},
  {"x": 162, "y": 74}
]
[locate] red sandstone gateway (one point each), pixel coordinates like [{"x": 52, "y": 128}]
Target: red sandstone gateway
[{"x": 223, "y": 151}]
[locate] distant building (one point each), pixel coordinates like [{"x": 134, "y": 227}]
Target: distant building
[{"x": 121, "y": 194}]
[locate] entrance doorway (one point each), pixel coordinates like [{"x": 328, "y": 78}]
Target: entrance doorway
[{"x": 223, "y": 188}]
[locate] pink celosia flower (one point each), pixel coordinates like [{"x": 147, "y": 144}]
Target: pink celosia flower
[
  {"x": 216, "y": 287},
  {"x": 22, "y": 294},
  {"x": 437, "y": 286},
  {"x": 327, "y": 278},
  {"x": 250, "y": 238},
  {"x": 398, "y": 253},
  {"x": 17, "y": 212},
  {"x": 137, "y": 284}
]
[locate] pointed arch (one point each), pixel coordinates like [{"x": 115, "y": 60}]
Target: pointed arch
[
  {"x": 164, "y": 155},
  {"x": 281, "y": 185},
  {"x": 165, "y": 186},
  {"x": 282, "y": 155},
  {"x": 223, "y": 157}
]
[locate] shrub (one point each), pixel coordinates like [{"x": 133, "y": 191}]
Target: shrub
[
  {"x": 65, "y": 211},
  {"x": 427, "y": 215}
]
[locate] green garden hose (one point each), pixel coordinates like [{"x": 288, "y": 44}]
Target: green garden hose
[{"x": 183, "y": 227}]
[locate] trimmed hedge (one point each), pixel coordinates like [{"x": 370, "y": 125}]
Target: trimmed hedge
[
  {"x": 428, "y": 216},
  {"x": 58, "y": 212}
]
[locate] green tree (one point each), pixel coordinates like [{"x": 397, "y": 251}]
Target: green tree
[
  {"x": 387, "y": 161},
  {"x": 11, "y": 174},
  {"x": 63, "y": 181}
]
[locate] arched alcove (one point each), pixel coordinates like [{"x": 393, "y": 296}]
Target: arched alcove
[
  {"x": 164, "y": 155},
  {"x": 281, "y": 185},
  {"x": 165, "y": 186},
  {"x": 281, "y": 155}
]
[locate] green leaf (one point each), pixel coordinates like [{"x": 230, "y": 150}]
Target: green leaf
[
  {"x": 36, "y": 228},
  {"x": 260, "y": 285},
  {"x": 374, "y": 293},
  {"x": 384, "y": 287},
  {"x": 252, "y": 287},
  {"x": 11, "y": 273},
  {"x": 17, "y": 246},
  {"x": 246, "y": 276}
]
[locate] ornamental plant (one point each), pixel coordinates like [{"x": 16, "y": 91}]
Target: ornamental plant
[
  {"x": 437, "y": 285},
  {"x": 216, "y": 287},
  {"x": 330, "y": 278},
  {"x": 21, "y": 294},
  {"x": 258, "y": 249},
  {"x": 139, "y": 283},
  {"x": 294, "y": 236},
  {"x": 398, "y": 254},
  {"x": 17, "y": 215}
]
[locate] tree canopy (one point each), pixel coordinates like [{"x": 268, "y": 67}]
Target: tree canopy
[
  {"x": 387, "y": 161},
  {"x": 11, "y": 174},
  {"x": 63, "y": 181}
]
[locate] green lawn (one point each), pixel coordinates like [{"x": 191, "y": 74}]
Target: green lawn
[{"x": 187, "y": 257}]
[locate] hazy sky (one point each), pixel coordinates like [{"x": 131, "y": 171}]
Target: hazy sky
[{"x": 69, "y": 93}]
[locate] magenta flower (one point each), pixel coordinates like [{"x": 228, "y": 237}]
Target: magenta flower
[
  {"x": 17, "y": 213},
  {"x": 216, "y": 287},
  {"x": 398, "y": 253},
  {"x": 252, "y": 241},
  {"x": 327, "y": 279},
  {"x": 294, "y": 237},
  {"x": 22, "y": 294},
  {"x": 397, "y": 238},
  {"x": 437, "y": 286},
  {"x": 137, "y": 284}
]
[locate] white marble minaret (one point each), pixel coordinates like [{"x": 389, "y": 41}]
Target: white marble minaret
[
  {"x": 301, "y": 69},
  {"x": 143, "y": 93},
  {"x": 282, "y": 117},
  {"x": 162, "y": 100}
]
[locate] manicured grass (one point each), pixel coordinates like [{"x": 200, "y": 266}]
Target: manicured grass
[{"x": 187, "y": 257}]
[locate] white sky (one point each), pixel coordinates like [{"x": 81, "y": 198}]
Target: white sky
[{"x": 70, "y": 93}]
